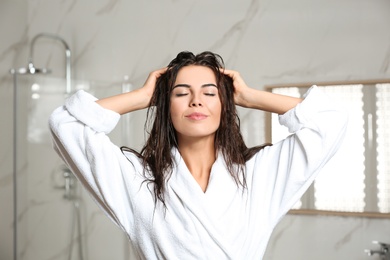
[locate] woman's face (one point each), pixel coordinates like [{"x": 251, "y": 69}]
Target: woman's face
[{"x": 195, "y": 104}]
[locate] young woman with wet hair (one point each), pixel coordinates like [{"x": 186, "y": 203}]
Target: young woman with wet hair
[
  {"x": 195, "y": 190},
  {"x": 156, "y": 154}
]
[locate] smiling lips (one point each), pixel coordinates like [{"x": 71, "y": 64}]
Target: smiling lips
[{"x": 196, "y": 116}]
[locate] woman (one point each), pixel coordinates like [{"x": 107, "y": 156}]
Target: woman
[{"x": 195, "y": 191}]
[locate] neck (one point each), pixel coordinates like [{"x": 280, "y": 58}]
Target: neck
[{"x": 199, "y": 155}]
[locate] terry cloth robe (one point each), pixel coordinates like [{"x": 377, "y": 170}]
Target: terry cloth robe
[{"x": 226, "y": 221}]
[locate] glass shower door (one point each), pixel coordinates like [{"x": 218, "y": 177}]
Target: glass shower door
[{"x": 55, "y": 218}]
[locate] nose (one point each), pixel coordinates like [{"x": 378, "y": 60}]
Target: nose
[
  {"x": 195, "y": 101},
  {"x": 195, "y": 104}
]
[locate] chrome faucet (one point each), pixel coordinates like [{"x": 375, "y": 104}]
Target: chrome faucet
[{"x": 383, "y": 251}]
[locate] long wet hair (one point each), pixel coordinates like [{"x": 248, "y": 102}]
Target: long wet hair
[{"x": 156, "y": 154}]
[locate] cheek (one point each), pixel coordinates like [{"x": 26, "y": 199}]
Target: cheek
[
  {"x": 216, "y": 112},
  {"x": 174, "y": 113},
  {"x": 219, "y": 118},
  {"x": 218, "y": 109}
]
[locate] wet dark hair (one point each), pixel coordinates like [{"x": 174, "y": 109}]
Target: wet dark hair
[{"x": 156, "y": 154}]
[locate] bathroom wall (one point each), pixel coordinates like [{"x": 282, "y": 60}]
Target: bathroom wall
[
  {"x": 269, "y": 42},
  {"x": 13, "y": 20}
]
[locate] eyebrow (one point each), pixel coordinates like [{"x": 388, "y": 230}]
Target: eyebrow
[{"x": 188, "y": 86}]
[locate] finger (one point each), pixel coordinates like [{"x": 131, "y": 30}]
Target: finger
[
  {"x": 159, "y": 72},
  {"x": 231, "y": 73},
  {"x": 154, "y": 75}
]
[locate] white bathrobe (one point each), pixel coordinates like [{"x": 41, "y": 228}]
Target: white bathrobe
[{"x": 225, "y": 222}]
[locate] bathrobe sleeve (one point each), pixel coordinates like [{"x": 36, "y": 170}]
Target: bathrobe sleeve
[
  {"x": 281, "y": 173},
  {"x": 79, "y": 131}
]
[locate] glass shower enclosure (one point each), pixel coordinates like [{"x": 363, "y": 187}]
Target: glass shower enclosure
[{"x": 53, "y": 217}]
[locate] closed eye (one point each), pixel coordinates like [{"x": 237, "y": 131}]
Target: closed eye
[
  {"x": 210, "y": 94},
  {"x": 181, "y": 94}
]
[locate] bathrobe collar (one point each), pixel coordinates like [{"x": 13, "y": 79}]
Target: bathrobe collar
[{"x": 207, "y": 206}]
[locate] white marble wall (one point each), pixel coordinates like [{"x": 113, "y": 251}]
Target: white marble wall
[{"x": 268, "y": 41}]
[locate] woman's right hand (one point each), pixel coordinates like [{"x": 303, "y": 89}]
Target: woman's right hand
[
  {"x": 134, "y": 100},
  {"x": 150, "y": 83}
]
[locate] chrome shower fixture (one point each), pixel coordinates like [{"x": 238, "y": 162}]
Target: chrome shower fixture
[
  {"x": 383, "y": 252},
  {"x": 31, "y": 69},
  {"x": 68, "y": 72}
]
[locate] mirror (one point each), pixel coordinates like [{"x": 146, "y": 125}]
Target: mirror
[{"x": 357, "y": 179}]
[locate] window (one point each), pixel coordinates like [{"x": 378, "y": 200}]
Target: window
[
  {"x": 357, "y": 179},
  {"x": 383, "y": 146}
]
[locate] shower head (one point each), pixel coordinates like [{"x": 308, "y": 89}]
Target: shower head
[
  {"x": 30, "y": 70},
  {"x": 33, "y": 70}
]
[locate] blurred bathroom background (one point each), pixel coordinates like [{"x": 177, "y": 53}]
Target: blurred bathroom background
[{"x": 114, "y": 45}]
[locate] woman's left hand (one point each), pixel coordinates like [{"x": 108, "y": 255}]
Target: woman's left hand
[
  {"x": 240, "y": 88},
  {"x": 259, "y": 99}
]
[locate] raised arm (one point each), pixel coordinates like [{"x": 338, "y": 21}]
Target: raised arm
[
  {"x": 134, "y": 100},
  {"x": 252, "y": 98},
  {"x": 79, "y": 129}
]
